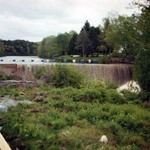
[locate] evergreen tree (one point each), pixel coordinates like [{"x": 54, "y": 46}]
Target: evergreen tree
[
  {"x": 93, "y": 35},
  {"x": 72, "y": 45}
]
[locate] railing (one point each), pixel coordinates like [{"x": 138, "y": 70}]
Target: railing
[{"x": 3, "y": 144}]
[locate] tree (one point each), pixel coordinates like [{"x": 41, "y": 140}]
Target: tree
[
  {"x": 72, "y": 45},
  {"x": 83, "y": 43},
  {"x": 104, "y": 46},
  {"x": 142, "y": 71},
  {"x": 86, "y": 26},
  {"x": 94, "y": 37},
  {"x": 142, "y": 61},
  {"x": 48, "y": 48},
  {"x": 63, "y": 41},
  {"x": 2, "y": 49},
  {"x": 123, "y": 33},
  {"x": 17, "y": 47}
]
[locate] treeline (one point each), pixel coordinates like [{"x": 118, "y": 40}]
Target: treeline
[
  {"x": 119, "y": 35},
  {"x": 17, "y": 47},
  {"x": 90, "y": 41}
]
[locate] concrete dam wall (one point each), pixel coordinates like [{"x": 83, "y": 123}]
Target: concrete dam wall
[{"x": 119, "y": 73}]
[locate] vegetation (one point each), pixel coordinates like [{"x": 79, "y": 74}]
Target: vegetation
[
  {"x": 71, "y": 118},
  {"x": 17, "y": 48},
  {"x": 70, "y": 114}
]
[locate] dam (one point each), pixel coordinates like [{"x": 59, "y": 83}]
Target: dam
[{"x": 118, "y": 73}]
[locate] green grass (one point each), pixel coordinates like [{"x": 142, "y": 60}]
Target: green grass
[{"x": 71, "y": 118}]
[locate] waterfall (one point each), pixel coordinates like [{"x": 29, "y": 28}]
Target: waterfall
[{"x": 119, "y": 73}]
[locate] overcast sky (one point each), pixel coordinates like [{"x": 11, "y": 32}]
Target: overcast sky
[{"x": 35, "y": 19}]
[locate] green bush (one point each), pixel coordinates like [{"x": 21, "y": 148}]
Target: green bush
[
  {"x": 39, "y": 72},
  {"x": 131, "y": 97},
  {"x": 64, "y": 75},
  {"x": 72, "y": 118},
  {"x": 115, "y": 97},
  {"x": 3, "y": 76}
]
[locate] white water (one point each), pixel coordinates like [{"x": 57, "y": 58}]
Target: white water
[
  {"x": 7, "y": 102},
  {"x": 132, "y": 86}
]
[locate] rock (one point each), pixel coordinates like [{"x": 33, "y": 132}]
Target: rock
[
  {"x": 35, "y": 110},
  {"x": 39, "y": 99},
  {"x": 132, "y": 86},
  {"x": 103, "y": 139},
  {"x": 22, "y": 93},
  {"x": 17, "y": 83}
]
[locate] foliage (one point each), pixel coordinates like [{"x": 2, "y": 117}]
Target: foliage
[
  {"x": 17, "y": 47},
  {"x": 142, "y": 62},
  {"x": 47, "y": 48},
  {"x": 64, "y": 75},
  {"x": 142, "y": 71},
  {"x": 3, "y": 76},
  {"x": 72, "y": 118},
  {"x": 53, "y": 46},
  {"x": 83, "y": 43},
  {"x": 39, "y": 72},
  {"x": 123, "y": 31}
]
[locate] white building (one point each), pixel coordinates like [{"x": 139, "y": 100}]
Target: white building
[{"x": 21, "y": 60}]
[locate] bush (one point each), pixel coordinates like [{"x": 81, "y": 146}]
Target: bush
[
  {"x": 115, "y": 97},
  {"x": 3, "y": 76},
  {"x": 64, "y": 75},
  {"x": 132, "y": 97},
  {"x": 39, "y": 72}
]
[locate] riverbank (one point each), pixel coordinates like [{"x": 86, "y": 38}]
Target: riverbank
[{"x": 68, "y": 117}]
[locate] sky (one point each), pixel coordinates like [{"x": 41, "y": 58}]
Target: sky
[{"x": 33, "y": 20}]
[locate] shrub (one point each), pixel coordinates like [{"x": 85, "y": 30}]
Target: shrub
[
  {"x": 39, "y": 72},
  {"x": 129, "y": 123},
  {"x": 64, "y": 75},
  {"x": 115, "y": 97},
  {"x": 3, "y": 76},
  {"x": 130, "y": 96}
]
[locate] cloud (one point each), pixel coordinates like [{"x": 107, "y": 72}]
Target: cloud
[{"x": 36, "y": 19}]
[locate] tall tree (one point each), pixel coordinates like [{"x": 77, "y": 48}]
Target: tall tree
[
  {"x": 94, "y": 37},
  {"x": 83, "y": 43},
  {"x": 72, "y": 45},
  {"x": 124, "y": 34},
  {"x": 48, "y": 47},
  {"x": 2, "y": 49},
  {"x": 142, "y": 61},
  {"x": 63, "y": 41},
  {"x": 86, "y": 26},
  {"x": 104, "y": 46}
]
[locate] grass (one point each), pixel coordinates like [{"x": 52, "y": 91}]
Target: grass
[
  {"x": 71, "y": 118},
  {"x": 69, "y": 113}
]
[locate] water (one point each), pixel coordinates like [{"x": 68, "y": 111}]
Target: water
[
  {"x": 119, "y": 73},
  {"x": 7, "y": 102}
]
